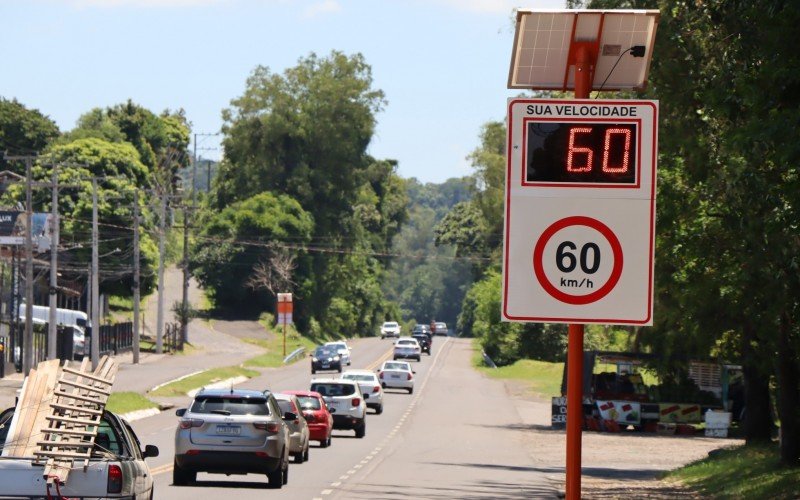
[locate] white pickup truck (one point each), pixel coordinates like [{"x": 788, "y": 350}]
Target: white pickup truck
[{"x": 116, "y": 470}]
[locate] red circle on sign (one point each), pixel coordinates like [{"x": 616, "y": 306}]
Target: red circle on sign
[{"x": 538, "y": 255}]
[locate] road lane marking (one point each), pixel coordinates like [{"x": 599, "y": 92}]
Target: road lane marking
[
  {"x": 337, "y": 483},
  {"x": 381, "y": 359},
  {"x": 326, "y": 492},
  {"x": 161, "y": 469}
]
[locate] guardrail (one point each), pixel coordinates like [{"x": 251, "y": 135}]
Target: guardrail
[
  {"x": 488, "y": 361},
  {"x": 293, "y": 354}
]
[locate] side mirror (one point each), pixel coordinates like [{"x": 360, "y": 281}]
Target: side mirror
[
  {"x": 180, "y": 412},
  {"x": 150, "y": 451},
  {"x": 289, "y": 416},
  {"x": 332, "y": 410}
]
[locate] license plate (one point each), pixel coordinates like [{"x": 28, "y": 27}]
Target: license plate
[
  {"x": 325, "y": 365},
  {"x": 396, "y": 375},
  {"x": 229, "y": 430}
]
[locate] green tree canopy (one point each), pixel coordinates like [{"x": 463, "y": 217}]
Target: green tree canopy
[{"x": 23, "y": 131}]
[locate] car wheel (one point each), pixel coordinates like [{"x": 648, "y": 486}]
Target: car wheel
[
  {"x": 379, "y": 410},
  {"x": 313, "y": 371},
  {"x": 181, "y": 476},
  {"x": 411, "y": 390},
  {"x": 340, "y": 368},
  {"x": 419, "y": 358},
  {"x": 306, "y": 453},
  {"x": 298, "y": 459},
  {"x": 277, "y": 478},
  {"x": 394, "y": 358},
  {"x": 361, "y": 430}
]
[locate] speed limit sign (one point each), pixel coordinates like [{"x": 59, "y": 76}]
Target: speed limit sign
[{"x": 580, "y": 211}]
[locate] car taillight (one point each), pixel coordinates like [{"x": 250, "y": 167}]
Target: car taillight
[
  {"x": 409, "y": 376},
  {"x": 380, "y": 375},
  {"x": 377, "y": 388},
  {"x": 114, "y": 479},
  {"x": 187, "y": 423},
  {"x": 272, "y": 427},
  {"x": 355, "y": 401}
]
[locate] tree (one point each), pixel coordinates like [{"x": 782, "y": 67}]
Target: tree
[
  {"x": 23, "y": 131},
  {"x": 234, "y": 242}
]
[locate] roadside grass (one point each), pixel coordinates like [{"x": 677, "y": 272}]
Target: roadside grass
[
  {"x": 273, "y": 343},
  {"x": 742, "y": 472},
  {"x": 124, "y": 402},
  {"x": 181, "y": 387},
  {"x": 543, "y": 378}
]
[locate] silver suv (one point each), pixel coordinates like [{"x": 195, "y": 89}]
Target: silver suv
[
  {"x": 346, "y": 403},
  {"x": 232, "y": 431}
]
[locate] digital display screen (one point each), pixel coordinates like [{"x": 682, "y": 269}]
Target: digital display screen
[{"x": 579, "y": 152}]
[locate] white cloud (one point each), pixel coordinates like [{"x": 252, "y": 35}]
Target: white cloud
[{"x": 321, "y": 8}]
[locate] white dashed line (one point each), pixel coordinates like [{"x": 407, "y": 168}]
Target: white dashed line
[
  {"x": 326, "y": 492},
  {"x": 336, "y": 484}
]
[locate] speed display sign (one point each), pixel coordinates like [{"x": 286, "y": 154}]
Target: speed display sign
[{"x": 580, "y": 211}]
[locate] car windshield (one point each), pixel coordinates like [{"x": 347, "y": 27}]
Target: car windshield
[
  {"x": 390, "y": 325},
  {"x": 396, "y": 366},
  {"x": 230, "y": 405},
  {"x": 442, "y": 326},
  {"x": 360, "y": 378},
  {"x": 406, "y": 342},
  {"x": 309, "y": 403},
  {"x": 325, "y": 351},
  {"x": 333, "y": 389},
  {"x": 338, "y": 347}
]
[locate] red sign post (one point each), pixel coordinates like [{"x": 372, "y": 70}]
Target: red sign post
[{"x": 285, "y": 310}]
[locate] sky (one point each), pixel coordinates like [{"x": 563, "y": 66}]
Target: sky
[{"x": 442, "y": 64}]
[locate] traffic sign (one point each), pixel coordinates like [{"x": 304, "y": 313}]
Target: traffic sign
[{"x": 580, "y": 211}]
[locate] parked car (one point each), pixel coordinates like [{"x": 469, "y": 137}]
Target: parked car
[
  {"x": 369, "y": 384},
  {"x": 396, "y": 375},
  {"x": 325, "y": 358},
  {"x": 116, "y": 468},
  {"x": 232, "y": 431},
  {"x": 346, "y": 403},
  {"x": 298, "y": 427},
  {"x": 440, "y": 329},
  {"x": 407, "y": 348},
  {"x": 342, "y": 348},
  {"x": 424, "y": 342},
  {"x": 390, "y": 329},
  {"x": 319, "y": 419}
]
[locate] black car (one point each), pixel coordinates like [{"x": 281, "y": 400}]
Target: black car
[
  {"x": 423, "y": 329},
  {"x": 326, "y": 358},
  {"x": 424, "y": 342}
]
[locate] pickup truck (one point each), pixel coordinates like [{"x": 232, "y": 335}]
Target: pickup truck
[{"x": 116, "y": 470}]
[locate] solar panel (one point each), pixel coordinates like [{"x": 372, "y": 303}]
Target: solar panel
[{"x": 543, "y": 40}]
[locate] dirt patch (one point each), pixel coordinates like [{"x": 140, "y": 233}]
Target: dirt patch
[{"x": 613, "y": 465}]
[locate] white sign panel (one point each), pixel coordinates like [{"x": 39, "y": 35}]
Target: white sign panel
[{"x": 580, "y": 211}]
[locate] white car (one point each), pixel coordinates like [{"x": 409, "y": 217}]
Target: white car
[
  {"x": 345, "y": 402},
  {"x": 396, "y": 375},
  {"x": 390, "y": 329},
  {"x": 407, "y": 348},
  {"x": 343, "y": 349},
  {"x": 369, "y": 384}
]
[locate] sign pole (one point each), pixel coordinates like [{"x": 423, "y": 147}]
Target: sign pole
[{"x": 583, "y": 85}]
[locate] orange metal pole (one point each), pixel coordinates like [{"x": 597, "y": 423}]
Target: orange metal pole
[{"x": 583, "y": 85}]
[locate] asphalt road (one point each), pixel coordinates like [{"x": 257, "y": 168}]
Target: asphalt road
[{"x": 457, "y": 436}]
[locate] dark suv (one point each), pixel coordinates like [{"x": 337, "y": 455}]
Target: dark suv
[
  {"x": 326, "y": 358},
  {"x": 424, "y": 342}
]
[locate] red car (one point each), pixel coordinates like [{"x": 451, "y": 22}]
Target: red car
[{"x": 320, "y": 420}]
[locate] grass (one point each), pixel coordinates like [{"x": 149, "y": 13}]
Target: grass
[
  {"x": 742, "y": 472},
  {"x": 181, "y": 387},
  {"x": 125, "y": 402},
  {"x": 274, "y": 346},
  {"x": 542, "y": 377}
]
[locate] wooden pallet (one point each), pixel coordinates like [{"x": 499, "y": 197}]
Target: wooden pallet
[{"x": 58, "y": 415}]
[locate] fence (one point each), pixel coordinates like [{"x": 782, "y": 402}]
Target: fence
[{"x": 173, "y": 340}]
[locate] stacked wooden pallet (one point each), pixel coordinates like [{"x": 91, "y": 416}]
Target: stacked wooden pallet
[{"x": 58, "y": 415}]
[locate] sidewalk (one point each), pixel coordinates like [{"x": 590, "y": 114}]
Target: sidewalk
[{"x": 211, "y": 349}]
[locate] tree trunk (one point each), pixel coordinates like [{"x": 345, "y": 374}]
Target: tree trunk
[
  {"x": 788, "y": 396},
  {"x": 758, "y": 422}
]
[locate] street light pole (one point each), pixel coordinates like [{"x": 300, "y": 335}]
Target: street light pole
[
  {"x": 160, "y": 317},
  {"x": 27, "y": 340},
  {"x": 136, "y": 264}
]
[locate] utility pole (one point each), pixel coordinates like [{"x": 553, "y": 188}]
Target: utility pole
[
  {"x": 27, "y": 340},
  {"x": 160, "y": 317},
  {"x": 136, "y": 264},
  {"x": 95, "y": 281},
  {"x": 185, "y": 303},
  {"x": 52, "y": 334}
]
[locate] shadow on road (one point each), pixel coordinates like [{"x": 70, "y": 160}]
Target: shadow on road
[
  {"x": 229, "y": 484},
  {"x": 476, "y": 490}
]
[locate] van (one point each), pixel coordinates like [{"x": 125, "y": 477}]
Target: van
[{"x": 64, "y": 317}]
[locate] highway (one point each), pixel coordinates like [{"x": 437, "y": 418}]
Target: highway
[{"x": 456, "y": 436}]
